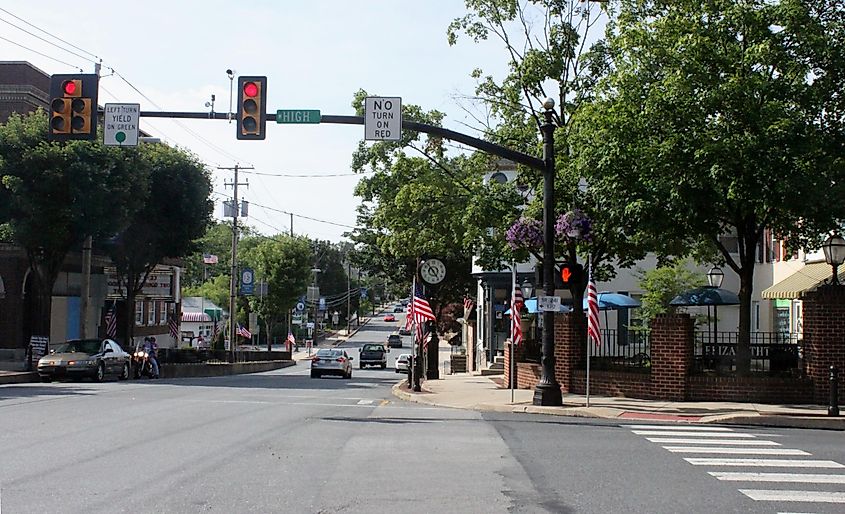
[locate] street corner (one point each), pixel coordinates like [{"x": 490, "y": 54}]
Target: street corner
[
  {"x": 816, "y": 422},
  {"x": 401, "y": 391}
]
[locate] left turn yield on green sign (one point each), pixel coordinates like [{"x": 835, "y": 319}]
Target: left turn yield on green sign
[{"x": 120, "y": 122}]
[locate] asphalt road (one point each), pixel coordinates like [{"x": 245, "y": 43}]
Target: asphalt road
[{"x": 283, "y": 442}]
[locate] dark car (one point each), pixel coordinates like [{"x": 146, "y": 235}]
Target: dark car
[
  {"x": 394, "y": 341},
  {"x": 404, "y": 331},
  {"x": 373, "y": 355},
  {"x": 398, "y": 308},
  {"x": 81, "y": 358}
]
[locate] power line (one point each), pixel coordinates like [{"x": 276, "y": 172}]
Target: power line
[
  {"x": 304, "y": 175},
  {"x": 41, "y": 54},
  {"x": 46, "y": 41},
  {"x": 304, "y": 217},
  {"x": 48, "y": 33}
]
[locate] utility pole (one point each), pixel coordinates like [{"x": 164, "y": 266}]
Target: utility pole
[
  {"x": 233, "y": 280},
  {"x": 291, "y": 225},
  {"x": 348, "y": 298}
]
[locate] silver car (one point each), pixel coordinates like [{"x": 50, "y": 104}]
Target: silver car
[
  {"x": 80, "y": 358},
  {"x": 331, "y": 361}
]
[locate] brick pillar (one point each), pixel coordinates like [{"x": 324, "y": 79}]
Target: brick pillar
[
  {"x": 824, "y": 339},
  {"x": 570, "y": 340},
  {"x": 519, "y": 352},
  {"x": 671, "y": 341}
]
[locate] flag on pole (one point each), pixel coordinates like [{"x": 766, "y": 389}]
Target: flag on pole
[
  {"x": 174, "y": 326},
  {"x": 421, "y": 312},
  {"x": 244, "y": 332},
  {"x": 208, "y": 258},
  {"x": 291, "y": 338},
  {"x": 516, "y": 316},
  {"x": 593, "y": 325},
  {"x": 111, "y": 321}
]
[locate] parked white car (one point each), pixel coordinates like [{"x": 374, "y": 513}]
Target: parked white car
[{"x": 402, "y": 363}]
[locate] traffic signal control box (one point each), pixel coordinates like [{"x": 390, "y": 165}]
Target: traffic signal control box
[
  {"x": 73, "y": 107},
  {"x": 252, "y": 100}
]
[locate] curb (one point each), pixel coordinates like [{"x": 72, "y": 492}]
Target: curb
[{"x": 400, "y": 391}]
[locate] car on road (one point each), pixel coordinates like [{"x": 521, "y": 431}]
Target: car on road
[
  {"x": 394, "y": 341},
  {"x": 390, "y": 317},
  {"x": 331, "y": 361},
  {"x": 85, "y": 358},
  {"x": 398, "y": 308},
  {"x": 373, "y": 355},
  {"x": 404, "y": 331},
  {"x": 402, "y": 363}
]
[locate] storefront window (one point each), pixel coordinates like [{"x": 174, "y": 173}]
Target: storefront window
[{"x": 139, "y": 312}]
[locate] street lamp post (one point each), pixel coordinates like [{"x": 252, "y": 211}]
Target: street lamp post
[
  {"x": 714, "y": 279},
  {"x": 547, "y": 391},
  {"x": 834, "y": 254}
]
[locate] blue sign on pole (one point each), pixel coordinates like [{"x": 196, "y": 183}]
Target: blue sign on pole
[
  {"x": 322, "y": 304},
  {"x": 247, "y": 282},
  {"x": 364, "y": 292}
]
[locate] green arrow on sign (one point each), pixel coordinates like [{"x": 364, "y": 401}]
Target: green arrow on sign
[{"x": 298, "y": 116}]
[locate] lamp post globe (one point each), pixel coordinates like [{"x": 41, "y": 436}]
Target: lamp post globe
[
  {"x": 715, "y": 277},
  {"x": 834, "y": 254}
]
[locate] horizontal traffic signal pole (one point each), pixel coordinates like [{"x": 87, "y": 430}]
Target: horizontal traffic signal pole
[{"x": 485, "y": 146}]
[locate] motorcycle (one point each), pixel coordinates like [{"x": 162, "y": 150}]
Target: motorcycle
[{"x": 141, "y": 363}]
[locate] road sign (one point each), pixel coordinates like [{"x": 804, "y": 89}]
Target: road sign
[
  {"x": 296, "y": 319},
  {"x": 382, "y": 118},
  {"x": 300, "y": 306},
  {"x": 548, "y": 303},
  {"x": 120, "y": 124},
  {"x": 322, "y": 304},
  {"x": 298, "y": 116}
]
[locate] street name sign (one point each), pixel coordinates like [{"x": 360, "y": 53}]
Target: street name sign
[
  {"x": 120, "y": 124},
  {"x": 298, "y": 116},
  {"x": 382, "y": 118},
  {"x": 548, "y": 303}
]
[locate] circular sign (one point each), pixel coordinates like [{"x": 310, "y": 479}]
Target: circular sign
[
  {"x": 247, "y": 276},
  {"x": 300, "y": 306},
  {"x": 433, "y": 271}
]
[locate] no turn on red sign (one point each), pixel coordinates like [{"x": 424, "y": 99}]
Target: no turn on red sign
[{"x": 382, "y": 118}]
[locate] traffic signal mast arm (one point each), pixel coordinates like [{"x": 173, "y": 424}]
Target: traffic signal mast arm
[{"x": 486, "y": 146}]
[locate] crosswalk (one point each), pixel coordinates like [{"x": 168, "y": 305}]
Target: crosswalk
[{"x": 736, "y": 457}]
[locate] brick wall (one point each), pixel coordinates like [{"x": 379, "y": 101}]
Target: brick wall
[
  {"x": 750, "y": 389},
  {"x": 570, "y": 334},
  {"x": 671, "y": 343},
  {"x": 528, "y": 375},
  {"x": 520, "y": 355},
  {"x": 824, "y": 339},
  {"x": 613, "y": 383}
]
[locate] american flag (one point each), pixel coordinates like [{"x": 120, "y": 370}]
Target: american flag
[
  {"x": 421, "y": 312},
  {"x": 174, "y": 326},
  {"x": 244, "y": 332},
  {"x": 593, "y": 326},
  {"x": 208, "y": 258},
  {"x": 291, "y": 338},
  {"x": 516, "y": 316},
  {"x": 111, "y": 321}
]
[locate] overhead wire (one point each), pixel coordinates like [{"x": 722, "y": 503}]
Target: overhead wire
[
  {"x": 41, "y": 54},
  {"x": 46, "y": 41},
  {"x": 48, "y": 33}
]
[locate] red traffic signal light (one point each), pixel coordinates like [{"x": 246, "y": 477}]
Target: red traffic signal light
[
  {"x": 73, "y": 107},
  {"x": 251, "y": 107}
]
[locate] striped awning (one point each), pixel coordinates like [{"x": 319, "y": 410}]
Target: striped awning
[
  {"x": 806, "y": 279},
  {"x": 195, "y": 316}
]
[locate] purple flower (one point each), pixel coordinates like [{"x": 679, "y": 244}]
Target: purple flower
[
  {"x": 525, "y": 233},
  {"x": 574, "y": 225}
]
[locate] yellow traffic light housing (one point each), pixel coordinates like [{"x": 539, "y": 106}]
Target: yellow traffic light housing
[
  {"x": 252, "y": 99},
  {"x": 73, "y": 107}
]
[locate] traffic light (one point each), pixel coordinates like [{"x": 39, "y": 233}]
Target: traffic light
[
  {"x": 252, "y": 92},
  {"x": 570, "y": 274},
  {"x": 73, "y": 107}
]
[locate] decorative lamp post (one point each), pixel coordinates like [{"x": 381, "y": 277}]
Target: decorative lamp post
[
  {"x": 715, "y": 277},
  {"x": 527, "y": 288},
  {"x": 547, "y": 391},
  {"x": 834, "y": 254}
]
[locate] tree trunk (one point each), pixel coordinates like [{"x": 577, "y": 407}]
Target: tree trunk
[
  {"x": 44, "y": 274},
  {"x": 746, "y": 286}
]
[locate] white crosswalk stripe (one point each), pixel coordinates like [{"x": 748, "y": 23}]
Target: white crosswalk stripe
[
  {"x": 724, "y": 443},
  {"x": 738, "y": 442}
]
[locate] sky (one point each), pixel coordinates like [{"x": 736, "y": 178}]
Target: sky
[{"x": 173, "y": 56}]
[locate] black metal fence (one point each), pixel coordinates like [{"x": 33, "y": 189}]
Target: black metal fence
[
  {"x": 776, "y": 353},
  {"x": 179, "y": 356},
  {"x": 621, "y": 350}
]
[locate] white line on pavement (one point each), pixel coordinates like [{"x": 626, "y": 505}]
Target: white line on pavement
[
  {"x": 804, "y": 478},
  {"x": 678, "y": 427},
  {"x": 794, "y": 496},
  {"x": 694, "y": 434},
  {"x": 735, "y": 451},
  {"x": 743, "y": 442},
  {"x": 764, "y": 463}
]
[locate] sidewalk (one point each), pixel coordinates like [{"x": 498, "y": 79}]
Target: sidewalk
[{"x": 481, "y": 393}]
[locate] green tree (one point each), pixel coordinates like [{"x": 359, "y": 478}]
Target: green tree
[
  {"x": 722, "y": 117},
  {"x": 175, "y": 212},
  {"x": 54, "y": 195},
  {"x": 284, "y": 263},
  {"x": 660, "y": 285}
]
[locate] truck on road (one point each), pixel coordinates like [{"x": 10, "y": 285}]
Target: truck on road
[{"x": 373, "y": 355}]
